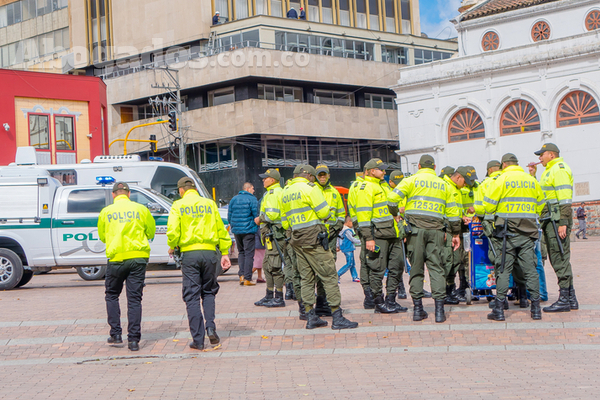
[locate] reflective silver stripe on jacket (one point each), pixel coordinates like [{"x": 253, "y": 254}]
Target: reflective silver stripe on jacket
[
  {"x": 426, "y": 213},
  {"x": 427, "y": 198},
  {"x": 567, "y": 201},
  {"x": 454, "y": 219},
  {"x": 363, "y": 209},
  {"x": 489, "y": 217},
  {"x": 298, "y": 210},
  {"x": 320, "y": 206},
  {"x": 306, "y": 224},
  {"x": 399, "y": 193},
  {"x": 364, "y": 223},
  {"x": 382, "y": 219},
  {"x": 377, "y": 205},
  {"x": 477, "y": 203},
  {"x": 520, "y": 199},
  {"x": 275, "y": 210},
  {"x": 451, "y": 204},
  {"x": 488, "y": 200},
  {"x": 517, "y": 215}
]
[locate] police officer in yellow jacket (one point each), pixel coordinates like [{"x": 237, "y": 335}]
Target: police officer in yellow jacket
[
  {"x": 428, "y": 202},
  {"x": 196, "y": 228},
  {"x": 516, "y": 199},
  {"x": 304, "y": 210},
  {"x": 382, "y": 241},
  {"x": 557, "y": 184},
  {"x": 273, "y": 236},
  {"x": 337, "y": 215},
  {"x": 125, "y": 227},
  {"x": 396, "y": 177}
]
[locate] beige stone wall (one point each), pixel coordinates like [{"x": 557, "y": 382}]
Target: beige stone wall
[
  {"x": 255, "y": 116},
  {"x": 35, "y": 26}
]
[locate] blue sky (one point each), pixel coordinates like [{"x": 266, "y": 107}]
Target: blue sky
[{"x": 436, "y": 16}]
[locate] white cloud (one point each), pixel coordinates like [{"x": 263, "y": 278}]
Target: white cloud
[{"x": 435, "y": 21}]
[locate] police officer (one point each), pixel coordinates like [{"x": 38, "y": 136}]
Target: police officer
[
  {"x": 517, "y": 199},
  {"x": 428, "y": 202},
  {"x": 453, "y": 258},
  {"x": 304, "y": 210},
  {"x": 382, "y": 241},
  {"x": 196, "y": 228},
  {"x": 557, "y": 184},
  {"x": 447, "y": 171},
  {"x": 396, "y": 177},
  {"x": 125, "y": 227},
  {"x": 273, "y": 235},
  {"x": 468, "y": 199}
]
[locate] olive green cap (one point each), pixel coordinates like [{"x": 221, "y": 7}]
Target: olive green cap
[
  {"x": 473, "y": 172},
  {"x": 426, "y": 161},
  {"x": 547, "y": 147},
  {"x": 322, "y": 168},
  {"x": 305, "y": 169},
  {"x": 271, "y": 173},
  {"x": 447, "y": 171},
  {"x": 509, "y": 157},
  {"x": 396, "y": 176},
  {"x": 186, "y": 181},
  {"x": 120, "y": 186},
  {"x": 375, "y": 163},
  {"x": 465, "y": 172},
  {"x": 492, "y": 164}
]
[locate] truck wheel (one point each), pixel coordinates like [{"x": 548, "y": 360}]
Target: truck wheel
[
  {"x": 92, "y": 273},
  {"x": 27, "y": 275},
  {"x": 11, "y": 269}
]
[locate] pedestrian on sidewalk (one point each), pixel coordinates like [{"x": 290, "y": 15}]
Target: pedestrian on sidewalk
[
  {"x": 581, "y": 218},
  {"x": 346, "y": 243},
  {"x": 259, "y": 256},
  {"x": 128, "y": 250},
  {"x": 196, "y": 228},
  {"x": 242, "y": 210}
]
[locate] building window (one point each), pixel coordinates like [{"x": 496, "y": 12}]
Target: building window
[
  {"x": 465, "y": 125},
  {"x": 405, "y": 11},
  {"x": 490, "y": 41},
  {"x": 279, "y": 93},
  {"x": 221, "y": 96},
  {"x": 423, "y": 56},
  {"x": 380, "y": 101},
  {"x": 126, "y": 114},
  {"x": 374, "y": 14},
  {"x": 540, "y": 31},
  {"x": 64, "y": 131},
  {"x": 334, "y": 98},
  {"x": 592, "y": 20},
  {"x": 577, "y": 108},
  {"x": 39, "y": 131},
  {"x": 99, "y": 27},
  {"x": 217, "y": 156},
  {"x": 519, "y": 117},
  {"x": 361, "y": 14},
  {"x": 394, "y": 55}
]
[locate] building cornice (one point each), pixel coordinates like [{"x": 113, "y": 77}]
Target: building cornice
[{"x": 535, "y": 54}]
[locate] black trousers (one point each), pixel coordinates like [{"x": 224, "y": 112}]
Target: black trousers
[
  {"x": 199, "y": 270},
  {"x": 245, "y": 246},
  {"x": 133, "y": 272}
]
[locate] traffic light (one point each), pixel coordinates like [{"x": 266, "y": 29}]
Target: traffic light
[
  {"x": 173, "y": 121},
  {"x": 153, "y": 144}
]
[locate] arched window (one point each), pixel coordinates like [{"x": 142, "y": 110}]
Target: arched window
[
  {"x": 592, "y": 20},
  {"x": 577, "y": 108},
  {"x": 518, "y": 117},
  {"x": 490, "y": 41},
  {"x": 465, "y": 125},
  {"x": 540, "y": 31}
]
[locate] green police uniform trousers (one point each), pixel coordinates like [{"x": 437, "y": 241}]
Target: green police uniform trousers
[
  {"x": 313, "y": 262},
  {"x": 426, "y": 246},
  {"x": 519, "y": 249},
  {"x": 389, "y": 257},
  {"x": 560, "y": 262},
  {"x": 291, "y": 269},
  {"x": 272, "y": 265}
]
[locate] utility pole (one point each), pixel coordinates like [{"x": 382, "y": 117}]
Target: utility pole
[{"x": 172, "y": 102}]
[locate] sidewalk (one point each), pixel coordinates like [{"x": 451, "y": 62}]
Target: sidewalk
[{"x": 53, "y": 333}]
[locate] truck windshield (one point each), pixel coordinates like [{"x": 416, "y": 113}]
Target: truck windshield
[{"x": 160, "y": 195}]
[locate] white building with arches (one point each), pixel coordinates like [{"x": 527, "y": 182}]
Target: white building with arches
[{"x": 528, "y": 72}]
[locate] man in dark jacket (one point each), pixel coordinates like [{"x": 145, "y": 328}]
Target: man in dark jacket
[
  {"x": 302, "y": 13},
  {"x": 215, "y": 20},
  {"x": 292, "y": 13},
  {"x": 242, "y": 210}
]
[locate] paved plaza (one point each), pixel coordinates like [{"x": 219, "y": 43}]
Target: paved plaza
[{"x": 53, "y": 346}]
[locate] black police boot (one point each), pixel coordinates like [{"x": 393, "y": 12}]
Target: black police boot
[
  {"x": 497, "y": 313},
  {"x": 322, "y": 308},
  {"x": 523, "y": 302},
  {"x": 390, "y": 302},
  {"x": 461, "y": 292},
  {"x": 212, "y": 335},
  {"x": 382, "y": 307},
  {"x": 401, "y": 290},
  {"x": 277, "y": 300},
  {"x": 265, "y": 300},
  {"x": 302, "y": 312},
  {"x": 340, "y": 322},
  {"x": 369, "y": 302},
  {"x": 562, "y": 304},
  {"x": 134, "y": 346},
  {"x": 536, "y": 311},
  {"x": 440, "y": 315},
  {"x": 493, "y": 303},
  {"x": 289, "y": 291},
  {"x": 115, "y": 339},
  {"x": 573, "y": 299},
  {"x": 419, "y": 313},
  {"x": 426, "y": 294},
  {"x": 450, "y": 297},
  {"x": 314, "y": 321}
]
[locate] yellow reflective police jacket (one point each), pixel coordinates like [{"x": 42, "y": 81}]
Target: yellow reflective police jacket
[
  {"x": 454, "y": 206},
  {"x": 514, "y": 195},
  {"x": 557, "y": 184},
  {"x": 372, "y": 212},
  {"x": 195, "y": 224},
  {"x": 270, "y": 206},
  {"x": 125, "y": 226},
  {"x": 480, "y": 194},
  {"x": 427, "y": 197},
  {"x": 303, "y": 205},
  {"x": 336, "y": 205},
  {"x": 352, "y": 193}
]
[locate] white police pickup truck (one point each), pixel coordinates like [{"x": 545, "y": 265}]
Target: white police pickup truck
[{"x": 45, "y": 225}]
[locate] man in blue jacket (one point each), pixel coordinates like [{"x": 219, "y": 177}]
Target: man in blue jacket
[{"x": 242, "y": 210}]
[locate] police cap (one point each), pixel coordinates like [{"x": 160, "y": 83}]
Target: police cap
[
  {"x": 447, "y": 171},
  {"x": 305, "y": 169},
  {"x": 509, "y": 157},
  {"x": 120, "y": 186},
  {"x": 322, "y": 168},
  {"x": 375, "y": 163},
  {"x": 186, "y": 181},
  {"x": 396, "y": 176},
  {"x": 466, "y": 173},
  {"x": 426, "y": 161},
  {"x": 492, "y": 164},
  {"x": 473, "y": 172},
  {"x": 271, "y": 173},
  {"x": 547, "y": 147}
]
